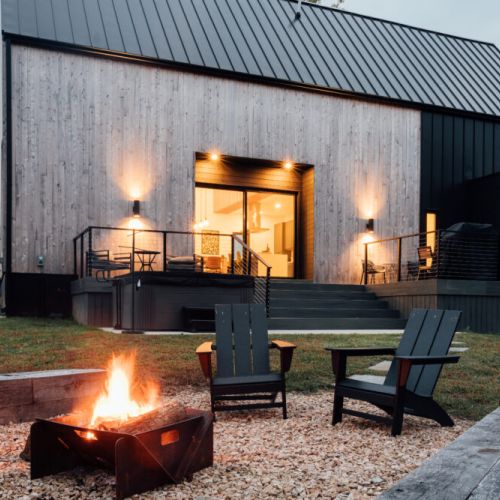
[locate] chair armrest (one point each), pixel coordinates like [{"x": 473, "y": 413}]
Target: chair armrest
[
  {"x": 205, "y": 348},
  {"x": 286, "y": 353},
  {"x": 281, "y": 344},
  {"x": 428, "y": 360},
  {"x": 204, "y": 352},
  {"x": 405, "y": 363},
  {"x": 361, "y": 351},
  {"x": 339, "y": 357}
]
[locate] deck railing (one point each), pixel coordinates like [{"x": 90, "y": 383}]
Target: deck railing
[
  {"x": 440, "y": 254},
  {"x": 133, "y": 250}
]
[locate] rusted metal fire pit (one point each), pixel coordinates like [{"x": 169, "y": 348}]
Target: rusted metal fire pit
[{"x": 141, "y": 462}]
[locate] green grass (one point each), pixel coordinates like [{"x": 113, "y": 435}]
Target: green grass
[{"x": 469, "y": 389}]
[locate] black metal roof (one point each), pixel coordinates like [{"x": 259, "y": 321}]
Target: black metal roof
[{"x": 325, "y": 47}]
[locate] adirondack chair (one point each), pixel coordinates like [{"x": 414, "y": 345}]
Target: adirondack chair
[
  {"x": 412, "y": 376},
  {"x": 243, "y": 370}
]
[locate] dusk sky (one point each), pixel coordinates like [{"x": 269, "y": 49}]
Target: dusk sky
[{"x": 476, "y": 19}]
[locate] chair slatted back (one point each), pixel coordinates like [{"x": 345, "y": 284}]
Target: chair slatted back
[
  {"x": 241, "y": 339},
  {"x": 429, "y": 332}
]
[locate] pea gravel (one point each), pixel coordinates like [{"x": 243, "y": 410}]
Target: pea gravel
[{"x": 259, "y": 455}]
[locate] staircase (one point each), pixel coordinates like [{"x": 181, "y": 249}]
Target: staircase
[{"x": 303, "y": 305}]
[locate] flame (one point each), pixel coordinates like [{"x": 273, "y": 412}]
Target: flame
[{"x": 122, "y": 397}]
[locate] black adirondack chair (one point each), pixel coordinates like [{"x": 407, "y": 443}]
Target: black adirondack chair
[
  {"x": 413, "y": 374},
  {"x": 243, "y": 370}
]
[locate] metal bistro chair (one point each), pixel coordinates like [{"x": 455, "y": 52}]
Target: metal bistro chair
[
  {"x": 100, "y": 262},
  {"x": 371, "y": 269}
]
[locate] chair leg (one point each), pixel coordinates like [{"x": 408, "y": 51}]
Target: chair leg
[
  {"x": 441, "y": 416},
  {"x": 283, "y": 396},
  {"x": 397, "y": 418},
  {"x": 338, "y": 405}
]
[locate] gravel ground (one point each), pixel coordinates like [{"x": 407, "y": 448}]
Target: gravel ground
[{"x": 258, "y": 455}]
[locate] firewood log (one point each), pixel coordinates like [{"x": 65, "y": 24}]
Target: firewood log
[{"x": 164, "y": 415}]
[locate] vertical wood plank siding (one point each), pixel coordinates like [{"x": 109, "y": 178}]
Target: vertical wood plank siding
[
  {"x": 455, "y": 150},
  {"x": 86, "y": 129},
  {"x": 307, "y": 224}
]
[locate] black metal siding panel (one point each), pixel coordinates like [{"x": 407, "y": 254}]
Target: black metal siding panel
[
  {"x": 263, "y": 38},
  {"x": 456, "y": 150},
  {"x": 496, "y": 148}
]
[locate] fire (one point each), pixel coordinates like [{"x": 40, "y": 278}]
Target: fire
[{"x": 123, "y": 397}]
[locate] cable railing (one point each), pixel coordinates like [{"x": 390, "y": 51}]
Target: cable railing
[
  {"x": 440, "y": 254},
  {"x": 106, "y": 253}
]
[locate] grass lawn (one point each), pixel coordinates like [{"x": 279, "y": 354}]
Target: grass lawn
[{"x": 469, "y": 389}]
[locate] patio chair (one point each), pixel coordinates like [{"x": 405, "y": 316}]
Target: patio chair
[
  {"x": 412, "y": 377},
  {"x": 243, "y": 370},
  {"x": 100, "y": 262},
  {"x": 371, "y": 269},
  {"x": 425, "y": 261}
]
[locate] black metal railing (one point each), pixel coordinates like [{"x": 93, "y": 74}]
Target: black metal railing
[
  {"x": 109, "y": 252},
  {"x": 441, "y": 254}
]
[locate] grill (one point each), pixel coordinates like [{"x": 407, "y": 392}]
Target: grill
[{"x": 140, "y": 462}]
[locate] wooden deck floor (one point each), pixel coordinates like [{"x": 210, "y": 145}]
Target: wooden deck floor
[{"x": 469, "y": 468}]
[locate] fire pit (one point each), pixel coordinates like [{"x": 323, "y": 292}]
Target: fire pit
[{"x": 129, "y": 431}]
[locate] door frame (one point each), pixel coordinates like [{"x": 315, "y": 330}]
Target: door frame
[{"x": 297, "y": 264}]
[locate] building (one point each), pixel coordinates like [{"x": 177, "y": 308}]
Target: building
[{"x": 296, "y": 133}]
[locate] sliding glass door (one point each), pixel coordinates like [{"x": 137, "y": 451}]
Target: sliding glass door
[{"x": 265, "y": 220}]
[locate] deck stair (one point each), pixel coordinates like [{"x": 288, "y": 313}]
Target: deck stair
[{"x": 304, "y": 305}]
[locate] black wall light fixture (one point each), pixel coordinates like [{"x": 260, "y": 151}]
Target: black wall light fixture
[
  {"x": 136, "y": 208},
  {"x": 370, "y": 225}
]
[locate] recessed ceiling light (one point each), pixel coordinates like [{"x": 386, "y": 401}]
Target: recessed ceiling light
[
  {"x": 288, "y": 165},
  {"x": 214, "y": 156},
  {"x": 277, "y": 205}
]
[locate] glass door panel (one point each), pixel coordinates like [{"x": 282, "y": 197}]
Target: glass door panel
[
  {"x": 218, "y": 212},
  {"x": 271, "y": 230}
]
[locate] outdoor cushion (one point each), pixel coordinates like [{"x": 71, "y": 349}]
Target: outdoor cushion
[{"x": 251, "y": 379}]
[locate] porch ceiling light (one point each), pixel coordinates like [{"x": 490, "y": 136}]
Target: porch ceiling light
[
  {"x": 288, "y": 165},
  {"x": 136, "y": 208},
  {"x": 214, "y": 156}
]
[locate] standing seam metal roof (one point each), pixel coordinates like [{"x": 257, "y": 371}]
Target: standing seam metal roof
[{"x": 326, "y": 47}]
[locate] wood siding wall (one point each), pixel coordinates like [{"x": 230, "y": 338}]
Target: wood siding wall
[
  {"x": 307, "y": 223},
  {"x": 91, "y": 134},
  {"x": 231, "y": 173}
]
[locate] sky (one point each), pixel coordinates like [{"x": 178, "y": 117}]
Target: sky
[{"x": 476, "y": 19}]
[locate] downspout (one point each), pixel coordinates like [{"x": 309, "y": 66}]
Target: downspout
[{"x": 9, "y": 167}]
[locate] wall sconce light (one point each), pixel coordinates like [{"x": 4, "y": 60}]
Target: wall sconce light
[
  {"x": 136, "y": 208},
  {"x": 370, "y": 226}
]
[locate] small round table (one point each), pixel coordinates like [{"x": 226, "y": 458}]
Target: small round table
[{"x": 146, "y": 258}]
